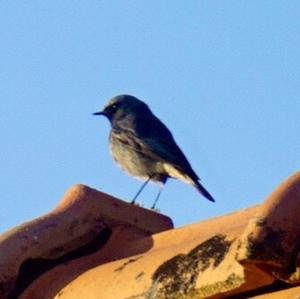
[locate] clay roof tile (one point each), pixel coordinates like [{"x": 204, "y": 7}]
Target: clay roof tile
[{"x": 95, "y": 244}]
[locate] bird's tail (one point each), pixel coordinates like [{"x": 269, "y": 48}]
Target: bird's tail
[{"x": 203, "y": 191}]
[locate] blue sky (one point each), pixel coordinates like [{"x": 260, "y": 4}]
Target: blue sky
[{"x": 223, "y": 75}]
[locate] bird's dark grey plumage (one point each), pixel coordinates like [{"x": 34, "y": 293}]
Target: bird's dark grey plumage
[{"x": 144, "y": 147}]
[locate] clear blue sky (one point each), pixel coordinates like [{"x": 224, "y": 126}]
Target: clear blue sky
[{"x": 223, "y": 75}]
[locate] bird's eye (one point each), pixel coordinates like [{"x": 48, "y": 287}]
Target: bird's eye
[{"x": 114, "y": 106}]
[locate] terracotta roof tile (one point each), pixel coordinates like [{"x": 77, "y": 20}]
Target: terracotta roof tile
[
  {"x": 94, "y": 244},
  {"x": 82, "y": 223},
  {"x": 292, "y": 293}
]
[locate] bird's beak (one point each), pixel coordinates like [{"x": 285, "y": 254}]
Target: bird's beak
[{"x": 99, "y": 113}]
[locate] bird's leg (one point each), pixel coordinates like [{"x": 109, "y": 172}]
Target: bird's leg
[
  {"x": 140, "y": 190},
  {"x": 157, "y": 196}
]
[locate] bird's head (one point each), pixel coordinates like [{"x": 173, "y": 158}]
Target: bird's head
[{"x": 123, "y": 106}]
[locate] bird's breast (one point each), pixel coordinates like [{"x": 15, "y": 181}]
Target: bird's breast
[{"x": 132, "y": 159}]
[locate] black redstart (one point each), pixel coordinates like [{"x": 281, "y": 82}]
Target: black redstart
[{"x": 144, "y": 147}]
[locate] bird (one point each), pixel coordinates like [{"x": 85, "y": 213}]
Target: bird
[{"x": 142, "y": 145}]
